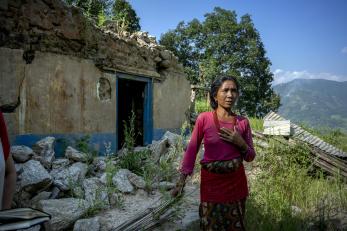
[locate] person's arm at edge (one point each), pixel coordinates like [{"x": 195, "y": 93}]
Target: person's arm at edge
[{"x": 9, "y": 184}]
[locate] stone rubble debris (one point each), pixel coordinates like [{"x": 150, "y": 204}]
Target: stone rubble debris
[{"x": 67, "y": 187}]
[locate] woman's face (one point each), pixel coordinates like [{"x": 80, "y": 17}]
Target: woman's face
[{"x": 227, "y": 94}]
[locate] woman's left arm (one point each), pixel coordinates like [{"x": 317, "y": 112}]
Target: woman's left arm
[{"x": 249, "y": 153}]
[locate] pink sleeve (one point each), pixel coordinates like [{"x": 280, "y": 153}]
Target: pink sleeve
[
  {"x": 4, "y": 136},
  {"x": 189, "y": 157},
  {"x": 250, "y": 154}
]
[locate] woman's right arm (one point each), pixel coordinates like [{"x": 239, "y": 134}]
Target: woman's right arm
[{"x": 188, "y": 161}]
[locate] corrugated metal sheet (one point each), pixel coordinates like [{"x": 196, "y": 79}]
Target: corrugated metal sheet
[{"x": 307, "y": 137}]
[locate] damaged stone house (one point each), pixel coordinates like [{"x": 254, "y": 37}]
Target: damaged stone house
[{"x": 75, "y": 79}]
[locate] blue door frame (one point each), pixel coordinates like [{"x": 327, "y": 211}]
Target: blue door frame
[{"x": 148, "y": 105}]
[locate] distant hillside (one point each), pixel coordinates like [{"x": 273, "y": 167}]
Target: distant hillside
[{"x": 316, "y": 102}]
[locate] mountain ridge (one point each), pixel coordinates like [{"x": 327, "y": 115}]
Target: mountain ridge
[{"x": 318, "y": 103}]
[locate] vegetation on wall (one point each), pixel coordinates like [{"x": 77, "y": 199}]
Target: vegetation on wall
[
  {"x": 125, "y": 14},
  {"x": 118, "y": 11}
]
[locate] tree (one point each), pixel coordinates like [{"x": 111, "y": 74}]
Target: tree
[
  {"x": 125, "y": 14},
  {"x": 222, "y": 45}
]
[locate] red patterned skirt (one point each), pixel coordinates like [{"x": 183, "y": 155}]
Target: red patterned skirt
[{"x": 223, "y": 200}]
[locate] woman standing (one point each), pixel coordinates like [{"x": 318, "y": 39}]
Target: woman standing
[{"x": 227, "y": 142}]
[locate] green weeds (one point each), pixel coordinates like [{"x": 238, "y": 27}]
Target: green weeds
[{"x": 286, "y": 195}]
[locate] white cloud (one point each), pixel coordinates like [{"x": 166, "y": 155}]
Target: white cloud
[
  {"x": 282, "y": 76},
  {"x": 344, "y": 50}
]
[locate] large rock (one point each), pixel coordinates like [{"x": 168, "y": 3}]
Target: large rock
[
  {"x": 87, "y": 224},
  {"x": 136, "y": 180},
  {"x": 121, "y": 181},
  {"x": 67, "y": 178},
  {"x": 159, "y": 148},
  {"x": 35, "y": 177},
  {"x": 21, "y": 153},
  {"x": 44, "y": 150},
  {"x": 64, "y": 212},
  {"x": 75, "y": 155},
  {"x": 173, "y": 138},
  {"x": 95, "y": 193}
]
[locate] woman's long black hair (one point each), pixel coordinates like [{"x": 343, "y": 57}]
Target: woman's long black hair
[{"x": 217, "y": 83}]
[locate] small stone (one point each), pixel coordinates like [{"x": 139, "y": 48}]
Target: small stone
[
  {"x": 121, "y": 181},
  {"x": 159, "y": 147},
  {"x": 87, "y": 224},
  {"x": 99, "y": 164},
  {"x": 136, "y": 180},
  {"x": 60, "y": 163},
  {"x": 173, "y": 138},
  {"x": 75, "y": 155},
  {"x": 165, "y": 64},
  {"x": 165, "y": 54},
  {"x": 21, "y": 153},
  {"x": 44, "y": 151}
]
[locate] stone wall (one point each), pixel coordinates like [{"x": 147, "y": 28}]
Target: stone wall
[{"x": 65, "y": 68}]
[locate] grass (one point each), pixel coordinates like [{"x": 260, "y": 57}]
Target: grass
[
  {"x": 287, "y": 181},
  {"x": 202, "y": 105}
]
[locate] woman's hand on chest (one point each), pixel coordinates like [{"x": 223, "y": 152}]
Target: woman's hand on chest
[{"x": 232, "y": 136}]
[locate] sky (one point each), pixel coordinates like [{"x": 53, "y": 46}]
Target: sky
[{"x": 303, "y": 38}]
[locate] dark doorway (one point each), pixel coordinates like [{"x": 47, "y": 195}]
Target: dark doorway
[{"x": 131, "y": 95}]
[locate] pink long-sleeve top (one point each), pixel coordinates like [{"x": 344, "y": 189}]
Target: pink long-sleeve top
[{"x": 215, "y": 147}]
